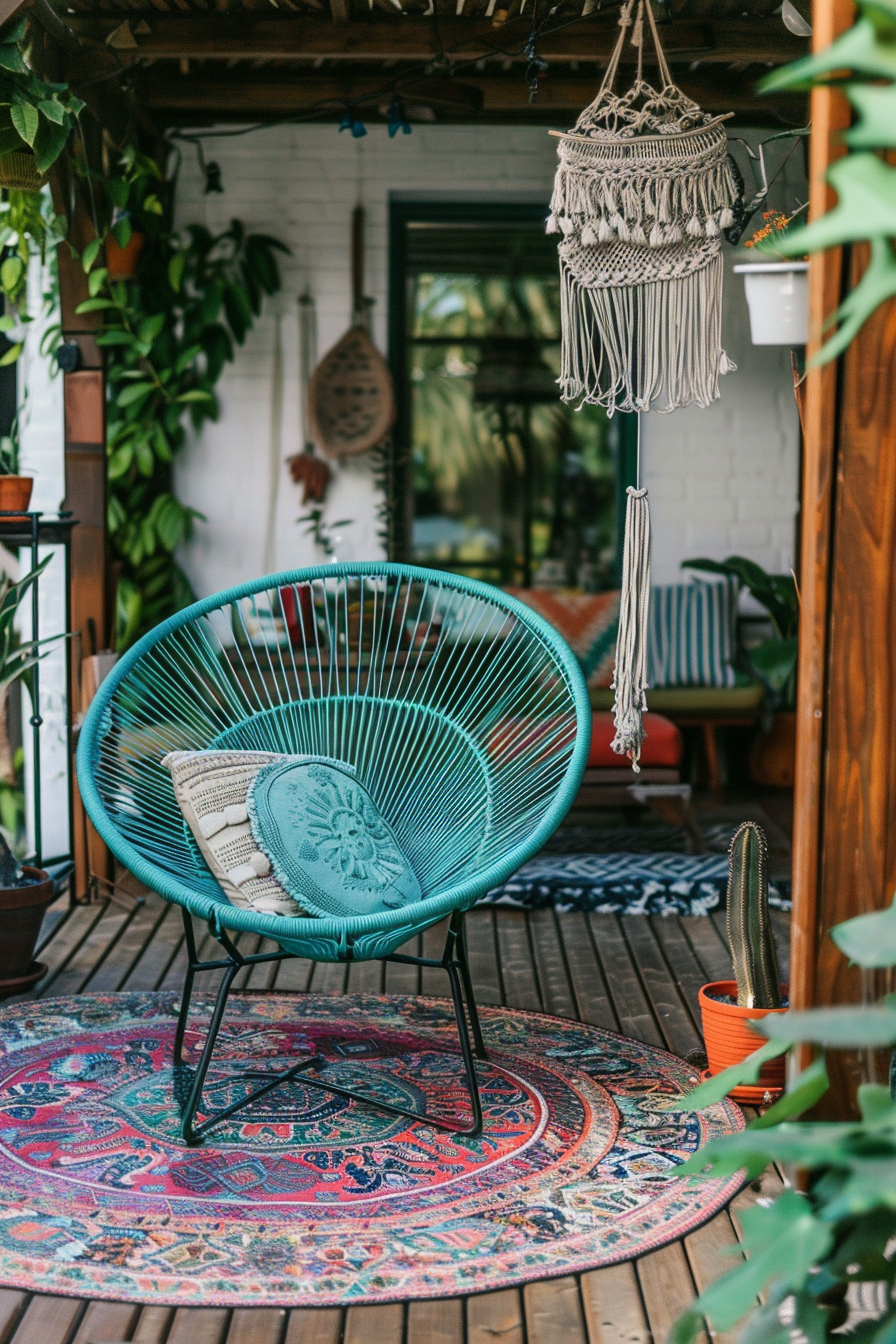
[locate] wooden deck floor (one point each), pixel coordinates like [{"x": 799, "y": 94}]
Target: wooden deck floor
[{"x": 632, "y": 974}]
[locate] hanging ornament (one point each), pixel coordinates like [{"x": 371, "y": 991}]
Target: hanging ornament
[{"x": 643, "y": 190}]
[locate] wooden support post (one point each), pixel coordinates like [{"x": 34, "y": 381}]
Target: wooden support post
[
  {"x": 84, "y": 397},
  {"x": 845, "y": 799}
]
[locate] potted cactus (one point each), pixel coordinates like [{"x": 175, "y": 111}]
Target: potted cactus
[{"x": 727, "y": 1006}]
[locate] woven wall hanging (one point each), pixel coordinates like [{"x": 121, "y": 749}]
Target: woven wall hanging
[{"x": 643, "y": 190}]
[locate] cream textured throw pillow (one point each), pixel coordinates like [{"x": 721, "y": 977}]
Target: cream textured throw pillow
[{"x": 211, "y": 788}]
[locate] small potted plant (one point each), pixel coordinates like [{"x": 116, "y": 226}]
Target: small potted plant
[
  {"x": 777, "y": 289},
  {"x": 15, "y": 490},
  {"x": 727, "y": 1006},
  {"x": 771, "y": 661},
  {"x": 25, "y": 892}
]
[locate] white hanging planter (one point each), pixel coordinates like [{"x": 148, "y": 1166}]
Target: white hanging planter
[{"x": 778, "y": 299}]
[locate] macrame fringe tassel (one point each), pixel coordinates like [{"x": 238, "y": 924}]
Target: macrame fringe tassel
[
  {"x": 633, "y": 345},
  {"x": 630, "y": 675}
]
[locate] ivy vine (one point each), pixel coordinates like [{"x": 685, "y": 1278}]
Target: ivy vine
[{"x": 168, "y": 333}]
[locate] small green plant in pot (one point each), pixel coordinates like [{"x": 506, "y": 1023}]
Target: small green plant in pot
[
  {"x": 15, "y": 490},
  {"x": 727, "y": 1006},
  {"x": 25, "y": 892}
]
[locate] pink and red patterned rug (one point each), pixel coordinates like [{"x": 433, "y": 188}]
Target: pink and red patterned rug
[{"x": 309, "y": 1200}]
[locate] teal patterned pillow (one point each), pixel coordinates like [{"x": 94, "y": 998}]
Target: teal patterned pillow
[{"x": 328, "y": 845}]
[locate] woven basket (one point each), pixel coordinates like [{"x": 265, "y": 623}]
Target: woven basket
[
  {"x": 351, "y": 404},
  {"x": 18, "y": 171}
]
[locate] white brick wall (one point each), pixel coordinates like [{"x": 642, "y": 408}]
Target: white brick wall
[{"x": 721, "y": 480}]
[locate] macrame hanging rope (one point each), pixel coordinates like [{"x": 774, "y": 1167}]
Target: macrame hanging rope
[
  {"x": 643, "y": 190},
  {"x": 630, "y": 674}
]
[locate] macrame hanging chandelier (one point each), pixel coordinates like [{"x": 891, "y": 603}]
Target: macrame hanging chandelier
[{"x": 643, "y": 190}]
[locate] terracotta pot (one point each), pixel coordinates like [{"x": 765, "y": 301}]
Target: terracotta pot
[
  {"x": 773, "y": 754},
  {"x": 21, "y": 915},
  {"x": 122, "y": 261},
  {"x": 729, "y": 1040},
  {"x": 15, "y": 493}
]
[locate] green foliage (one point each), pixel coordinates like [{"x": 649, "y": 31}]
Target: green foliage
[
  {"x": 17, "y": 658},
  {"x": 36, "y": 117},
  {"x": 168, "y": 334},
  {"x": 805, "y": 1249},
  {"x": 773, "y": 660},
  {"x": 9, "y": 451},
  {"x": 865, "y": 184},
  {"x": 28, "y": 227},
  {"x": 750, "y": 934}
]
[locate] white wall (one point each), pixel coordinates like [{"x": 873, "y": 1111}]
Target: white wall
[{"x": 721, "y": 480}]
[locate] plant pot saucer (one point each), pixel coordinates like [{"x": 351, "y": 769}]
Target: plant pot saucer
[
  {"x": 19, "y": 984},
  {"x": 748, "y": 1094}
]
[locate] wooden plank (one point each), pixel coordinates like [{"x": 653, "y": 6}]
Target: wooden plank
[
  {"x": 294, "y": 975},
  {"x": 203, "y": 1325},
  {"x": 631, "y": 1004},
  {"x": 365, "y": 977},
  {"x": 256, "y": 1325},
  {"x": 322, "y": 1325},
  {"x": 436, "y": 1322},
  {"x": 553, "y": 977},
  {"x": 64, "y": 943},
  {"x": 104, "y": 1321},
  {"x": 709, "y": 947},
  {"x": 264, "y": 974},
  {"x": 554, "y": 1312},
  {"x": 593, "y": 1003},
  {"x": 328, "y": 977},
  {"x": 709, "y": 1255},
  {"x": 675, "y": 1021},
  {"x": 614, "y": 1312},
  {"x": 112, "y": 973},
  {"x": 401, "y": 979},
  {"x": 153, "y": 1325},
  {"x": 248, "y": 944},
  {"x": 157, "y": 956},
  {"x": 517, "y": 966},
  {"x": 48, "y": 1319},
  {"x": 495, "y": 1318},
  {"x": 829, "y": 115},
  {"x": 483, "y": 956},
  {"x": 12, "y": 1304},
  {"x": 685, "y": 969},
  {"x": 374, "y": 1325},
  {"x": 53, "y": 919},
  {"x": 434, "y": 983},
  {"x": 666, "y": 1287},
  {"x": 91, "y": 952}
]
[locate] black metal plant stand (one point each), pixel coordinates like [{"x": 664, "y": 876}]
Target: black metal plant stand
[{"x": 189, "y": 1082}]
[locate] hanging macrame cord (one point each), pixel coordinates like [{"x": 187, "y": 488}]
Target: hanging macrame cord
[
  {"x": 630, "y": 674},
  {"x": 643, "y": 189}
]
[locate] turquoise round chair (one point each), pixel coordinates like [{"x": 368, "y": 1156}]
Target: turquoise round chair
[{"x": 464, "y": 715}]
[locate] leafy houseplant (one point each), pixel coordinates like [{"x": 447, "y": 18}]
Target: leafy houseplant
[
  {"x": 727, "y": 1005},
  {"x": 15, "y": 490},
  {"x": 772, "y": 661},
  {"x": 168, "y": 333},
  {"x": 25, "y": 892},
  {"x": 36, "y": 117}
]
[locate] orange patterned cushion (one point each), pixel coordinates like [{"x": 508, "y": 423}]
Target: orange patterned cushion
[{"x": 587, "y": 621}]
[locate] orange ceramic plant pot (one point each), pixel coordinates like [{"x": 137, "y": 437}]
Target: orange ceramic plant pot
[
  {"x": 122, "y": 261},
  {"x": 15, "y": 494},
  {"x": 729, "y": 1040}
]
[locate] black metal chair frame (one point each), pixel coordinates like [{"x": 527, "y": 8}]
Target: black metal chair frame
[{"x": 189, "y": 1082}]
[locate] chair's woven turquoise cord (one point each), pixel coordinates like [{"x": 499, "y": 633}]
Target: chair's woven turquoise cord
[{"x": 463, "y": 712}]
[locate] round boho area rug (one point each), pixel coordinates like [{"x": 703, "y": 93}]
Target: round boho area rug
[{"x": 310, "y": 1200}]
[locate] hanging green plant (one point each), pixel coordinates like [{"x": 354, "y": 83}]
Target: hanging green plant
[
  {"x": 168, "y": 333},
  {"x": 36, "y": 117},
  {"x": 864, "y": 182}
]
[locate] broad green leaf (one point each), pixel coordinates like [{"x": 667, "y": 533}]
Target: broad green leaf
[
  {"x": 195, "y": 395},
  {"x": 878, "y": 283},
  {"x": 90, "y": 253},
  {"x": 875, "y": 1103},
  {"x": 11, "y": 354},
  {"x": 857, "y": 49},
  {"x": 718, "y": 1087},
  {"x": 120, "y": 462},
  {"x": 26, "y": 121},
  {"x": 869, "y": 940},
  {"x": 840, "y": 1027},
  {"x": 150, "y": 327},
  {"x": 117, "y": 191},
  {"x": 152, "y": 205},
  {"x": 134, "y": 393},
  {"x": 11, "y": 272},
  {"x": 876, "y": 108},
  {"x": 95, "y": 281},
  {"x": 11, "y": 59},
  {"x": 811, "y": 1084},
  {"x": 866, "y": 207},
  {"x": 52, "y": 111},
  {"x": 176, "y": 270},
  {"x": 144, "y": 457},
  {"x": 49, "y": 143},
  {"x": 122, "y": 230},
  {"x": 774, "y": 661},
  {"x": 7, "y": 322},
  {"x": 94, "y": 306}
]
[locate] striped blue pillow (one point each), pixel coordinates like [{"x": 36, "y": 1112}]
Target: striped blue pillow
[{"x": 692, "y": 634}]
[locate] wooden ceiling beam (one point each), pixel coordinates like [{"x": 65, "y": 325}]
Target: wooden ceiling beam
[
  {"x": 207, "y": 96},
  {"x": 247, "y": 37}
]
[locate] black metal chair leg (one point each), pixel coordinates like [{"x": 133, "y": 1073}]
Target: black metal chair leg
[
  {"x": 466, "y": 1053},
  {"x": 188, "y": 1115},
  {"x": 464, "y": 968}
]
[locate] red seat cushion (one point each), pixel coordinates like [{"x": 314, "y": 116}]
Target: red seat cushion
[{"x": 662, "y": 745}]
